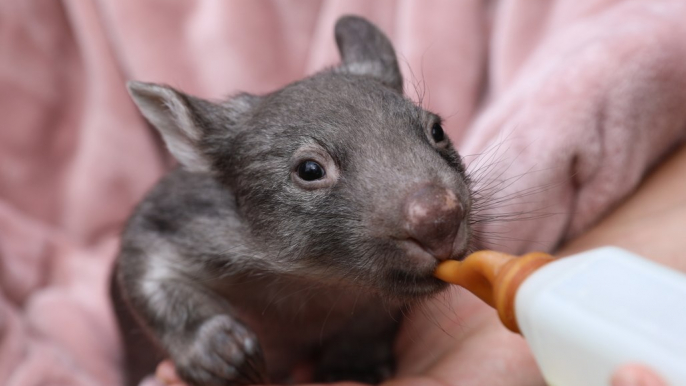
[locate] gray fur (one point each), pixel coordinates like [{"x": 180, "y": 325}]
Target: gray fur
[{"x": 232, "y": 261}]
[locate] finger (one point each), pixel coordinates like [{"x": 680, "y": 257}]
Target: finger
[
  {"x": 636, "y": 375},
  {"x": 166, "y": 373}
]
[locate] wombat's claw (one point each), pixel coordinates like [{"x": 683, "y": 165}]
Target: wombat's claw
[{"x": 224, "y": 352}]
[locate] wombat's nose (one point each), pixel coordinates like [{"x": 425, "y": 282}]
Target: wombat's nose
[{"x": 432, "y": 218}]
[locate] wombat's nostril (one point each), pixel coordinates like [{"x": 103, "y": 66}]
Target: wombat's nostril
[{"x": 432, "y": 218}]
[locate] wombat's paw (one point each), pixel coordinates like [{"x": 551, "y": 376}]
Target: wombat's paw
[{"x": 222, "y": 352}]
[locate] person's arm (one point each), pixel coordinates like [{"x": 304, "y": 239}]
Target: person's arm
[{"x": 651, "y": 222}]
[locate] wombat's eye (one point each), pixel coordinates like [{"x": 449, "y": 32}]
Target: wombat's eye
[
  {"x": 437, "y": 132},
  {"x": 310, "y": 171}
]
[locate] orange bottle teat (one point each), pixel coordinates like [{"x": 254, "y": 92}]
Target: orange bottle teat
[{"x": 494, "y": 277}]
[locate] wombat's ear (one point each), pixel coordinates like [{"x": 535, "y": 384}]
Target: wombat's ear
[
  {"x": 178, "y": 117},
  {"x": 365, "y": 50}
]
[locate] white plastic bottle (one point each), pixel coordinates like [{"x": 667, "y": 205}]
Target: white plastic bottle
[{"x": 585, "y": 315}]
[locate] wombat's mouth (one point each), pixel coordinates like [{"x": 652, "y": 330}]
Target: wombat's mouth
[
  {"x": 420, "y": 255},
  {"x": 412, "y": 277},
  {"x": 412, "y": 285}
]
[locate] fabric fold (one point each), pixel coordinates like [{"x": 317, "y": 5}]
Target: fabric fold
[{"x": 560, "y": 108}]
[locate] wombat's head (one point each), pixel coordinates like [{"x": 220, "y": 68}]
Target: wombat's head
[{"x": 338, "y": 176}]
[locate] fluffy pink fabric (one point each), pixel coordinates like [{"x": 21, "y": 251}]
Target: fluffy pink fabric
[{"x": 568, "y": 102}]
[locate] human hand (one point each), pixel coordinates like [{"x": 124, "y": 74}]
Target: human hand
[
  {"x": 454, "y": 339},
  {"x": 636, "y": 375}
]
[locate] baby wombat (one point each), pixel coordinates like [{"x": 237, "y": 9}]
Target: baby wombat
[{"x": 297, "y": 227}]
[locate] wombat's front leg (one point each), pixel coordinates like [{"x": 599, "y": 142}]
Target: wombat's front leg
[{"x": 195, "y": 327}]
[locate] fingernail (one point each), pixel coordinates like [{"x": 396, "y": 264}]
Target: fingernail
[
  {"x": 636, "y": 376},
  {"x": 166, "y": 373}
]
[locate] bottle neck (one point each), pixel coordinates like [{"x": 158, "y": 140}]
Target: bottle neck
[{"x": 494, "y": 277}]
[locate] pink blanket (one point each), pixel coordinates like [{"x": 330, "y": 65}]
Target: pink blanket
[{"x": 567, "y": 103}]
